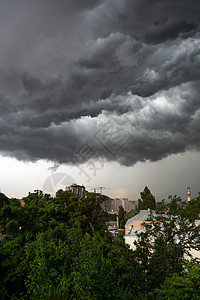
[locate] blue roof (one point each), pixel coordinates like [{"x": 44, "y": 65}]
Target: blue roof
[{"x": 142, "y": 216}]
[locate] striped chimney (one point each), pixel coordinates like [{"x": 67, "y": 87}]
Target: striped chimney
[{"x": 188, "y": 194}]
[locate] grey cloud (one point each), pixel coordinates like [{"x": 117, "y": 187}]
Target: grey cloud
[
  {"x": 150, "y": 129},
  {"x": 169, "y": 31},
  {"x": 152, "y": 22},
  {"x": 66, "y": 68}
]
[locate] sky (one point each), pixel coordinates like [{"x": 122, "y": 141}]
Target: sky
[{"x": 101, "y": 93}]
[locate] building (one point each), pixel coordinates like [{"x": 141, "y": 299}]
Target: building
[
  {"x": 112, "y": 225},
  {"x": 106, "y": 205},
  {"x": 135, "y": 226},
  {"x": 112, "y": 205},
  {"x": 76, "y": 189},
  {"x": 128, "y": 205},
  {"x": 139, "y": 220},
  {"x": 109, "y": 205}
]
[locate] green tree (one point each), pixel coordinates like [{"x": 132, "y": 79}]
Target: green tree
[
  {"x": 48, "y": 265},
  {"x": 162, "y": 248},
  {"x": 147, "y": 200},
  {"x": 121, "y": 218},
  {"x": 3, "y": 200},
  {"x": 184, "y": 287},
  {"x": 43, "y": 240},
  {"x": 59, "y": 248},
  {"x": 193, "y": 208},
  {"x": 105, "y": 269}
]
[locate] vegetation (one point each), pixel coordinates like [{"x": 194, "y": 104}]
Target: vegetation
[
  {"x": 110, "y": 217},
  {"x": 163, "y": 248},
  {"x": 121, "y": 218},
  {"x": 181, "y": 287},
  {"x": 59, "y": 248},
  {"x": 147, "y": 200}
]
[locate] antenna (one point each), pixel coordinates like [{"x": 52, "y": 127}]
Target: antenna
[
  {"x": 94, "y": 190},
  {"x": 100, "y": 188}
]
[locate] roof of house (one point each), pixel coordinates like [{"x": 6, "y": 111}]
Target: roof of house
[
  {"x": 134, "y": 231},
  {"x": 142, "y": 216}
]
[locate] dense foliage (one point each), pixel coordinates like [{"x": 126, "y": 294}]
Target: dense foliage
[
  {"x": 163, "y": 249},
  {"x": 121, "y": 218},
  {"x": 59, "y": 248},
  {"x": 147, "y": 200}
]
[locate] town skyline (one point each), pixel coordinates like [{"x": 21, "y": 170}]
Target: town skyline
[{"x": 17, "y": 186}]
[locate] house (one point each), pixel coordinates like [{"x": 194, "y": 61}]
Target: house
[
  {"x": 138, "y": 220},
  {"x": 135, "y": 226}
]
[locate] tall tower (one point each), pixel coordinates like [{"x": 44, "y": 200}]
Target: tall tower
[{"x": 188, "y": 194}]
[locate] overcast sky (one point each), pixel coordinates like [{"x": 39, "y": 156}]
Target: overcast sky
[{"x": 102, "y": 93}]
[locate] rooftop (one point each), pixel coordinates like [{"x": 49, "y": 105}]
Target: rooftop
[{"x": 142, "y": 216}]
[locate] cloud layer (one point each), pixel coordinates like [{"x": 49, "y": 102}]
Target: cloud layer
[{"x": 83, "y": 80}]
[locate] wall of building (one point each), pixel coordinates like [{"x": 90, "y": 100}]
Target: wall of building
[{"x": 112, "y": 205}]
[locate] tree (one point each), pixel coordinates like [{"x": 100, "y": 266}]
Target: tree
[
  {"x": 43, "y": 238},
  {"x": 147, "y": 200},
  {"x": 105, "y": 269},
  {"x": 48, "y": 266},
  {"x": 59, "y": 248},
  {"x": 162, "y": 249},
  {"x": 121, "y": 218},
  {"x": 193, "y": 208},
  {"x": 184, "y": 287},
  {"x": 3, "y": 200}
]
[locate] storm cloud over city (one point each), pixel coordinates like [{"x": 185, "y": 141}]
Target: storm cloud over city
[{"x": 112, "y": 79}]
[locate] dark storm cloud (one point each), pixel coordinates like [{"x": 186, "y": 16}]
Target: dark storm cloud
[
  {"x": 152, "y": 21},
  {"x": 119, "y": 76},
  {"x": 169, "y": 31}
]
